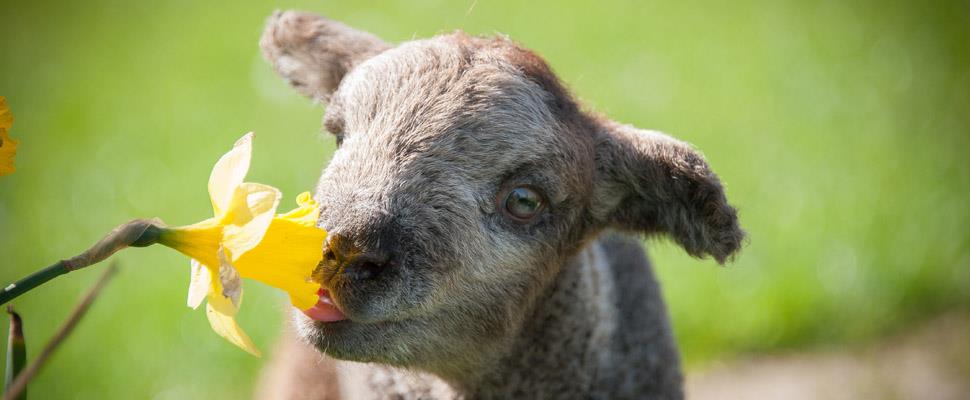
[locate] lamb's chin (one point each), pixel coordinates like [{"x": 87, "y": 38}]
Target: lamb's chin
[{"x": 351, "y": 341}]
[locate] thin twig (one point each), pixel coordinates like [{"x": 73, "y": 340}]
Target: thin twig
[{"x": 20, "y": 384}]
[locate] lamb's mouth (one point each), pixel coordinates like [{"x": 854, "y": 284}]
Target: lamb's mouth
[{"x": 325, "y": 310}]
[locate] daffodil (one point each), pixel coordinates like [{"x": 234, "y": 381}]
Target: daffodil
[
  {"x": 247, "y": 239},
  {"x": 8, "y": 146}
]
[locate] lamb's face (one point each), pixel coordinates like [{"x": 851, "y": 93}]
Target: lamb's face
[
  {"x": 454, "y": 192},
  {"x": 465, "y": 176}
]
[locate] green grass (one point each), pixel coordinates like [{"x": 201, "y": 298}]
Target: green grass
[{"x": 839, "y": 130}]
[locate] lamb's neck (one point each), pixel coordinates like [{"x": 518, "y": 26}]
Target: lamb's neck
[{"x": 561, "y": 341}]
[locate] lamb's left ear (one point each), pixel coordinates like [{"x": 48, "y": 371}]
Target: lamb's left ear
[
  {"x": 650, "y": 182},
  {"x": 314, "y": 53}
]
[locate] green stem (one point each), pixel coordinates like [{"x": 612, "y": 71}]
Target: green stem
[
  {"x": 33, "y": 280},
  {"x": 137, "y": 233}
]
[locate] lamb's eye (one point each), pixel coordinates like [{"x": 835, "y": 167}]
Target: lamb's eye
[{"x": 523, "y": 203}]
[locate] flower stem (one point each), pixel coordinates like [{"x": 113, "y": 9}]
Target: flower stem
[
  {"x": 33, "y": 280},
  {"x": 137, "y": 233}
]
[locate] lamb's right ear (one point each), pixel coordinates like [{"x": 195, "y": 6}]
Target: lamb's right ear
[{"x": 314, "y": 53}]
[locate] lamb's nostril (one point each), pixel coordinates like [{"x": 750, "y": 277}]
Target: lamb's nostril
[
  {"x": 363, "y": 267},
  {"x": 329, "y": 256},
  {"x": 342, "y": 257}
]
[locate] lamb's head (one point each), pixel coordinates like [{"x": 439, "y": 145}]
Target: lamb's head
[{"x": 465, "y": 175}]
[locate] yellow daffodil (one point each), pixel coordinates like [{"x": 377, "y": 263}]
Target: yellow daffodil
[
  {"x": 246, "y": 239},
  {"x": 8, "y": 146}
]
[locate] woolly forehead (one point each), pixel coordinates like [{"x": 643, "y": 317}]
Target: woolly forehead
[{"x": 440, "y": 99}]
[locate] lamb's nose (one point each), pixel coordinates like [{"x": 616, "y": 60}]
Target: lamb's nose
[{"x": 343, "y": 257}]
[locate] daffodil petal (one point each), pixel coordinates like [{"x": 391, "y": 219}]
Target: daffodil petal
[
  {"x": 8, "y": 146},
  {"x": 221, "y": 313},
  {"x": 249, "y": 215},
  {"x": 228, "y": 174},
  {"x": 6, "y": 118},
  {"x": 199, "y": 284},
  {"x": 305, "y": 300},
  {"x": 307, "y": 212}
]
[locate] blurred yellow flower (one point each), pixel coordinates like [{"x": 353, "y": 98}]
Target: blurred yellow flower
[
  {"x": 8, "y": 146},
  {"x": 246, "y": 239}
]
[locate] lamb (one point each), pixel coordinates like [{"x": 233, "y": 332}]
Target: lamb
[{"x": 483, "y": 227}]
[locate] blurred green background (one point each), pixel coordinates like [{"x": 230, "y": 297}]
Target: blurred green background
[{"x": 840, "y": 130}]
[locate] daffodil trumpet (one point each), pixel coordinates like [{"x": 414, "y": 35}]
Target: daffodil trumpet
[{"x": 245, "y": 238}]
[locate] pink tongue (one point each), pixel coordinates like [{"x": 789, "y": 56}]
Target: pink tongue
[{"x": 325, "y": 310}]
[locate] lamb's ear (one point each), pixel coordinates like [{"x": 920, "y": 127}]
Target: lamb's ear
[
  {"x": 653, "y": 183},
  {"x": 314, "y": 53}
]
